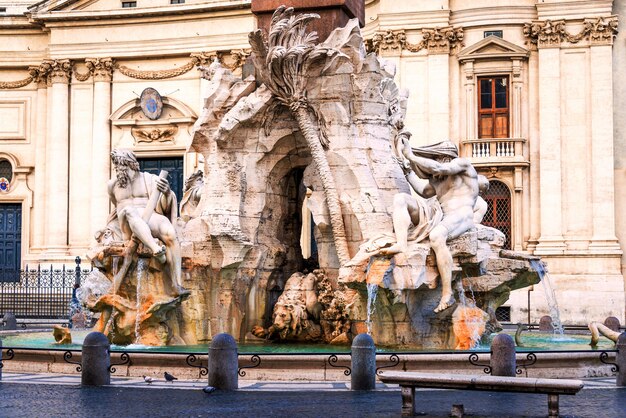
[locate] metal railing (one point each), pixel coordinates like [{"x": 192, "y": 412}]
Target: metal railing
[{"x": 39, "y": 293}]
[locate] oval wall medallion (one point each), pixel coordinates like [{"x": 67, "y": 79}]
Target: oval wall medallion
[{"x": 151, "y": 103}]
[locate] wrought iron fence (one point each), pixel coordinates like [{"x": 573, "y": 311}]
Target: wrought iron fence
[{"x": 39, "y": 293}]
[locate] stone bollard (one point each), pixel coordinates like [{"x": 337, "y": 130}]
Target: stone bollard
[
  {"x": 96, "y": 360},
  {"x": 502, "y": 360},
  {"x": 545, "y": 323},
  {"x": 612, "y": 323},
  {"x": 10, "y": 322},
  {"x": 621, "y": 360},
  {"x": 1, "y": 363},
  {"x": 223, "y": 363},
  {"x": 363, "y": 354}
]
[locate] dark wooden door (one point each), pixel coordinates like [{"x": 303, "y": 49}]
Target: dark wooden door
[
  {"x": 10, "y": 241},
  {"x": 173, "y": 165}
]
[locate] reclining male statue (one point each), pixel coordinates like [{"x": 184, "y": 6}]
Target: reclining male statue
[
  {"x": 436, "y": 171},
  {"x": 130, "y": 192}
]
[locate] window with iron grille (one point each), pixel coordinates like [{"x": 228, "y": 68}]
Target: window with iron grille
[
  {"x": 177, "y": 1},
  {"x": 498, "y": 215},
  {"x": 6, "y": 170},
  {"x": 503, "y": 314},
  {"x": 497, "y": 33},
  {"x": 126, "y": 4}
]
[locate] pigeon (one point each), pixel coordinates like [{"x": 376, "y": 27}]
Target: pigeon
[
  {"x": 148, "y": 380},
  {"x": 208, "y": 389},
  {"x": 169, "y": 377}
]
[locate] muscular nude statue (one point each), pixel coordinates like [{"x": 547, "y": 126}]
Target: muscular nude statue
[
  {"x": 436, "y": 170},
  {"x": 130, "y": 192}
]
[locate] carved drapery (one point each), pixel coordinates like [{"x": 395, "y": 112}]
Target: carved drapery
[
  {"x": 435, "y": 40},
  {"x": 549, "y": 33}
]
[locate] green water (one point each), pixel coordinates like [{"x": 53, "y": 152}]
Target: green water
[{"x": 532, "y": 341}]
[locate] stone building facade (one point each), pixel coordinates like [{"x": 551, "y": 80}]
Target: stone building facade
[{"x": 528, "y": 89}]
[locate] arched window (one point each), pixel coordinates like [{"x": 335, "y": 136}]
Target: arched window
[
  {"x": 6, "y": 170},
  {"x": 498, "y": 215}
]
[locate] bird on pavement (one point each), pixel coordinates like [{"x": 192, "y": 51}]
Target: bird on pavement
[
  {"x": 208, "y": 389},
  {"x": 169, "y": 377},
  {"x": 148, "y": 379}
]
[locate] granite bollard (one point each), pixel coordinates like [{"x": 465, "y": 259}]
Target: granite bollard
[
  {"x": 621, "y": 360},
  {"x": 223, "y": 363},
  {"x": 502, "y": 359},
  {"x": 363, "y": 376},
  {"x": 612, "y": 323},
  {"x": 10, "y": 322},
  {"x": 96, "y": 360},
  {"x": 545, "y": 324}
]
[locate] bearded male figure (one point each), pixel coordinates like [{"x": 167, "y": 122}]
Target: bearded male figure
[
  {"x": 130, "y": 192},
  {"x": 436, "y": 171}
]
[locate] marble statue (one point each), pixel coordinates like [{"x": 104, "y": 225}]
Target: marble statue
[
  {"x": 145, "y": 207},
  {"x": 435, "y": 171},
  {"x": 191, "y": 195}
]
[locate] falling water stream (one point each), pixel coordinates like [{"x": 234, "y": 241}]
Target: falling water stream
[
  {"x": 141, "y": 269},
  {"x": 553, "y": 306},
  {"x": 372, "y": 291}
]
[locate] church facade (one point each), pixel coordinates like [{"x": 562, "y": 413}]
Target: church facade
[{"x": 529, "y": 91}]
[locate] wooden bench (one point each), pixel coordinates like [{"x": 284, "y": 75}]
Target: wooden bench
[{"x": 408, "y": 381}]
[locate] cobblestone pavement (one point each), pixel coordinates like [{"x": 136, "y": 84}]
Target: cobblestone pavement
[{"x": 27, "y": 395}]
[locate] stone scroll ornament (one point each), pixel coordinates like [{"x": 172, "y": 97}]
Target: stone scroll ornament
[{"x": 282, "y": 64}]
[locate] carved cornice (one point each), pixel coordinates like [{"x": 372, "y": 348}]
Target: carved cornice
[
  {"x": 60, "y": 70},
  {"x": 435, "y": 40},
  {"x": 550, "y": 34}
]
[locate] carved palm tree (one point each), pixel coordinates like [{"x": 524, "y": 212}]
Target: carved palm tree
[{"x": 282, "y": 64}]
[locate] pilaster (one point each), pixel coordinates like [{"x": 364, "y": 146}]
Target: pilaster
[{"x": 57, "y": 162}]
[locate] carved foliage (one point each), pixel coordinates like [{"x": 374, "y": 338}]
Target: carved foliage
[
  {"x": 548, "y": 33},
  {"x": 436, "y": 41}
]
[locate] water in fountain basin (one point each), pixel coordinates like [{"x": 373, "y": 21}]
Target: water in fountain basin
[
  {"x": 372, "y": 291},
  {"x": 553, "y": 306}
]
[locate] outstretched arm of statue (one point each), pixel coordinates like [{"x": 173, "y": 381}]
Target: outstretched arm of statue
[
  {"x": 421, "y": 186},
  {"x": 435, "y": 168}
]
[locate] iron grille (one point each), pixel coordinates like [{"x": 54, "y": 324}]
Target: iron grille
[
  {"x": 498, "y": 215},
  {"x": 6, "y": 170},
  {"x": 38, "y": 293},
  {"x": 503, "y": 314}
]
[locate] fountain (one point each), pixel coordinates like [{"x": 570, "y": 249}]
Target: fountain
[{"x": 327, "y": 118}]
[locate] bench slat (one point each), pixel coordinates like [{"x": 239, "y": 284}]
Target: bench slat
[{"x": 490, "y": 383}]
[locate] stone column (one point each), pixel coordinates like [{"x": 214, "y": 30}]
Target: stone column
[
  {"x": 438, "y": 96},
  {"x": 102, "y": 70},
  {"x": 57, "y": 161},
  {"x": 551, "y": 239},
  {"x": 39, "y": 204},
  {"x": 602, "y": 173}
]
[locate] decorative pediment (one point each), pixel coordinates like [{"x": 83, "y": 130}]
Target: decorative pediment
[
  {"x": 139, "y": 129},
  {"x": 493, "y": 47}
]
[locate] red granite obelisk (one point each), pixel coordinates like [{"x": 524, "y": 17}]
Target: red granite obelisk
[{"x": 333, "y": 13}]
